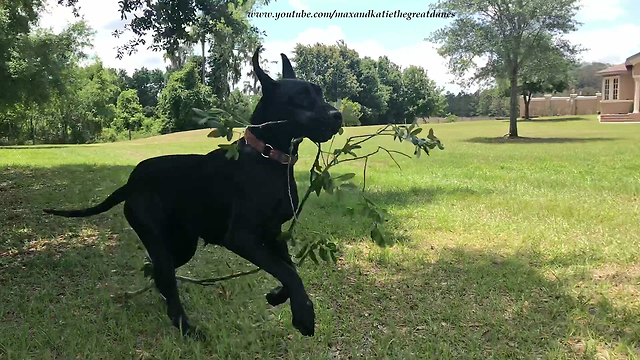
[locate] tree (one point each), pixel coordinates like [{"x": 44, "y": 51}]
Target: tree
[
  {"x": 508, "y": 33},
  {"x": 351, "y": 112},
  {"x": 491, "y": 102},
  {"x": 148, "y": 85},
  {"x": 230, "y": 48},
  {"x": 373, "y": 95},
  {"x": 462, "y": 104},
  {"x": 390, "y": 76},
  {"x": 128, "y": 112},
  {"x": 421, "y": 96},
  {"x": 183, "y": 92},
  {"x": 324, "y": 65},
  {"x": 37, "y": 65},
  {"x": 546, "y": 71},
  {"x": 31, "y": 62},
  {"x": 253, "y": 86},
  {"x": 170, "y": 22},
  {"x": 584, "y": 77}
]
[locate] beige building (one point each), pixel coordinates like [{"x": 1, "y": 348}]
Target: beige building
[{"x": 620, "y": 98}]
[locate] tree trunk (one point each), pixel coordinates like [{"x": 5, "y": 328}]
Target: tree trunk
[
  {"x": 64, "y": 132},
  {"x": 513, "y": 106},
  {"x": 204, "y": 59},
  {"x": 527, "y": 99},
  {"x": 33, "y": 131}
]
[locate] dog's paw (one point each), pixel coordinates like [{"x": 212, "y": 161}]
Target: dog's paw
[
  {"x": 304, "y": 317},
  {"x": 277, "y": 296}
]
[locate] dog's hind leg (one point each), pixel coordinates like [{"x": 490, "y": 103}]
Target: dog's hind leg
[{"x": 145, "y": 216}]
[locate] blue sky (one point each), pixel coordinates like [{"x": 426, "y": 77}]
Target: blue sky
[{"x": 609, "y": 32}]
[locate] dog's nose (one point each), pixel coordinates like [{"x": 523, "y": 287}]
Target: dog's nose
[{"x": 336, "y": 115}]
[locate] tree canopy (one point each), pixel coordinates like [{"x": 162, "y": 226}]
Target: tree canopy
[
  {"x": 508, "y": 34},
  {"x": 385, "y": 92}
]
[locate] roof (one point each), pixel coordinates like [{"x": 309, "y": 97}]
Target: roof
[
  {"x": 616, "y": 69},
  {"x": 630, "y": 58}
]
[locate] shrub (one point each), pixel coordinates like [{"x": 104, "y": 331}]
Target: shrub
[
  {"x": 351, "y": 112},
  {"x": 108, "y": 135},
  {"x": 451, "y": 118}
]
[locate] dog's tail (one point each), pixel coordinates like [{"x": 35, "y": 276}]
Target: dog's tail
[{"x": 114, "y": 199}]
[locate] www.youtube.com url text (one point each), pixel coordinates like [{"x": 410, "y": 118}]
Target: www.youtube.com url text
[{"x": 302, "y": 14}]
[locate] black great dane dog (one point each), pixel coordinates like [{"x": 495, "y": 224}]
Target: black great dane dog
[{"x": 172, "y": 201}]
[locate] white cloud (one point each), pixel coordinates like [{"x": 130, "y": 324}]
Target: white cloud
[
  {"x": 607, "y": 44},
  {"x": 299, "y": 4},
  {"x": 103, "y": 17},
  {"x": 421, "y": 54},
  {"x": 600, "y": 10}
]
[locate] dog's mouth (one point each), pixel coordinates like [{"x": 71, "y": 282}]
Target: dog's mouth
[{"x": 323, "y": 129}]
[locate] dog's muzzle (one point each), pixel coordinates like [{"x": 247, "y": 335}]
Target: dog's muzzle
[{"x": 327, "y": 126}]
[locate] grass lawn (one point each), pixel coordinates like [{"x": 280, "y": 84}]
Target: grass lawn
[{"x": 505, "y": 249}]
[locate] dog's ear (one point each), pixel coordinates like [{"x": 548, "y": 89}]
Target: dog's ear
[
  {"x": 287, "y": 69},
  {"x": 266, "y": 81}
]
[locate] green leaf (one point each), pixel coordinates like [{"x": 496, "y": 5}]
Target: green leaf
[
  {"x": 329, "y": 185},
  {"x": 377, "y": 236},
  {"x": 333, "y": 257},
  {"x": 231, "y": 151},
  {"x": 147, "y": 270},
  {"x": 375, "y": 215},
  {"x": 416, "y": 131},
  {"x": 301, "y": 261},
  {"x": 324, "y": 254},
  {"x": 229, "y": 135},
  {"x": 200, "y": 113},
  {"x": 302, "y": 251},
  {"x": 316, "y": 185},
  {"x": 346, "y": 177},
  {"x": 341, "y": 131},
  {"x": 285, "y": 236},
  {"x": 312, "y": 256},
  {"x": 351, "y": 211},
  {"x": 431, "y": 135}
]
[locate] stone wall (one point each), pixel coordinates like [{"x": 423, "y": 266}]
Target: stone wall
[{"x": 570, "y": 105}]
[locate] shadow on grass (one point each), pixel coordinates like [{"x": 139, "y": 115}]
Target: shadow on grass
[
  {"x": 55, "y": 272},
  {"x": 39, "y": 147},
  {"x": 550, "y": 119},
  {"x": 468, "y": 304},
  {"x": 529, "y": 140}
]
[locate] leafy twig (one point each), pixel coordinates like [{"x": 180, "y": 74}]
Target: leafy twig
[{"x": 321, "y": 179}]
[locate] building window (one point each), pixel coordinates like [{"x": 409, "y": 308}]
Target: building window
[{"x": 611, "y": 88}]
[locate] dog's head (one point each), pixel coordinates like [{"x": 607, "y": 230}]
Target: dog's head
[{"x": 297, "y": 102}]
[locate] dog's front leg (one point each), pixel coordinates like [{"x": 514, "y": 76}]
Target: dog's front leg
[
  {"x": 247, "y": 244},
  {"x": 280, "y": 294}
]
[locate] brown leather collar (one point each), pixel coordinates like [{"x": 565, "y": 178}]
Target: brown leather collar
[{"x": 267, "y": 150}]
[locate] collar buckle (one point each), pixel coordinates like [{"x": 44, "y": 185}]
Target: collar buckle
[{"x": 266, "y": 153}]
